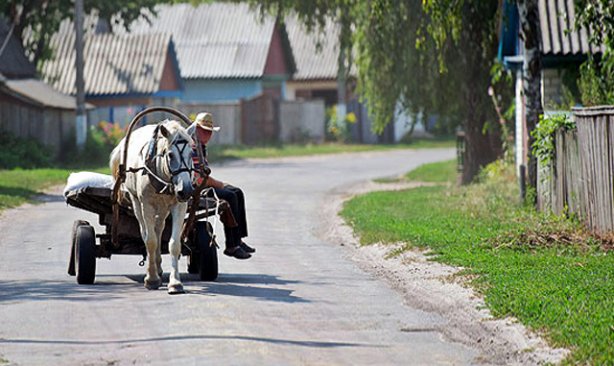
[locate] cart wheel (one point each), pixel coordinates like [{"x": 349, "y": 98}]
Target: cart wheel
[
  {"x": 71, "y": 261},
  {"x": 208, "y": 270},
  {"x": 194, "y": 263},
  {"x": 85, "y": 255}
]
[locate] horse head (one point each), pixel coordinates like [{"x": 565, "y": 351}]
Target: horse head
[{"x": 176, "y": 159}]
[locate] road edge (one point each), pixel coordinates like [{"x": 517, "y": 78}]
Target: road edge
[{"x": 435, "y": 287}]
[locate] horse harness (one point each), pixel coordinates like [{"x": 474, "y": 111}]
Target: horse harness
[{"x": 161, "y": 185}]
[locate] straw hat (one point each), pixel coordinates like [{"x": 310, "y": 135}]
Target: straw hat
[{"x": 204, "y": 120}]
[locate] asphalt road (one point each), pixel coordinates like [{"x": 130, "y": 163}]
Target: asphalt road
[{"x": 299, "y": 300}]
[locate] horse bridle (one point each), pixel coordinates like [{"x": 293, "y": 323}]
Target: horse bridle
[{"x": 162, "y": 185}]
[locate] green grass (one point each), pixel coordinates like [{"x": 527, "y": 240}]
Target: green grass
[
  {"x": 440, "y": 172},
  {"x": 19, "y": 186},
  {"x": 565, "y": 290},
  {"x": 217, "y": 152}
]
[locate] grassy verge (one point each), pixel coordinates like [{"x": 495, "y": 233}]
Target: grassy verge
[
  {"x": 544, "y": 270},
  {"x": 217, "y": 152},
  {"x": 19, "y": 186}
]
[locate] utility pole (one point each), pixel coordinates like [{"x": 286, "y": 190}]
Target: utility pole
[{"x": 81, "y": 120}]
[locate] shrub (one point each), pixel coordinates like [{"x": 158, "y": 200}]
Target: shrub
[{"x": 23, "y": 153}]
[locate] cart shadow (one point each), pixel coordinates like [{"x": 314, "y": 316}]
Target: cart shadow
[{"x": 40, "y": 290}]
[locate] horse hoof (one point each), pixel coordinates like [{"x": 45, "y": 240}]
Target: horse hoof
[
  {"x": 176, "y": 289},
  {"x": 153, "y": 285}
]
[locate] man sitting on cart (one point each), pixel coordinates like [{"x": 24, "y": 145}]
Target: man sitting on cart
[{"x": 204, "y": 127}]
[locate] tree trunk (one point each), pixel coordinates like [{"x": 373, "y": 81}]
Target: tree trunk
[
  {"x": 482, "y": 146},
  {"x": 532, "y": 69}
]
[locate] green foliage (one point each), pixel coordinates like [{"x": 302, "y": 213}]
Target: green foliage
[
  {"x": 101, "y": 140},
  {"x": 598, "y": 17},
  {"x": 596, "y": 83},
  {"x": 24, "y": 153},
  {"x": 544, "y": 270},
  {"x": 544, "y": 133},
  {"x": 597, "y": 76}
]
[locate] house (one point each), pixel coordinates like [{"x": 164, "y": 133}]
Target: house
[
  {"x": 226, "y": 51},
  {"x": 123, "y": 74},
  {"x": 563, "y": 49},
  {"x": 30, "y": 108}
]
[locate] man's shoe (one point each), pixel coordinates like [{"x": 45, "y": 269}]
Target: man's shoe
[
  {"x": 237, "y": 252},
  {"x": 246, "y": 248}
]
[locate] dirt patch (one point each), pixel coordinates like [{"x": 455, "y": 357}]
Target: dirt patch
[{"x": 427, "y": 285}]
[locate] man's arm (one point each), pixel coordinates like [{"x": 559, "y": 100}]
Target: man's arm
[{"x": 212, "y": 182}]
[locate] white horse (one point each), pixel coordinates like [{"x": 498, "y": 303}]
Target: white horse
[{"x": 158, "y": 181}]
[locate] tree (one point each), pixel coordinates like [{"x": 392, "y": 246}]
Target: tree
[
  {"x": 35, "y": 21},
  {"x": 398, "y": 44},
  {"x": 471, "y": 28}
]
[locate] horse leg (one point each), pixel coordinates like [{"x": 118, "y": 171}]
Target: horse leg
[
  {"x": 174, "y": 248},
  {"x": 152, "y": 242},
  {"x": 159, "y": 229}
]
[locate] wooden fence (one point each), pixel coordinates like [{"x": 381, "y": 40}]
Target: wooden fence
[{"x": 580, "y": 178}]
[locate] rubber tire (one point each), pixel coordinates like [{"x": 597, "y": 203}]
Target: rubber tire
[
  {"x": 71, "y": 261},
  {"x": 85, "y": 255},
  {"x": 194, "y": 263},
  {"x": 208, "y": 268}
]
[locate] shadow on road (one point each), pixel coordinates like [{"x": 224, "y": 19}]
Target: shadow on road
[
  {"x": 241, "y": 285},
  {"x": 110, "y": 287},
  {"x": 59, "y": 290},
  {"x": 315, "y": 344}
]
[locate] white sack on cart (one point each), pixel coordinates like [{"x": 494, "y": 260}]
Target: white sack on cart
[{"x": 88, "y": 179}]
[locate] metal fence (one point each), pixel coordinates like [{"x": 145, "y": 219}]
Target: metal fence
[{"x": 580, "y": 177}]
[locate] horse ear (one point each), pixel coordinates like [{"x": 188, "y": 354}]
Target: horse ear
[{"x": 164, "y": 131}]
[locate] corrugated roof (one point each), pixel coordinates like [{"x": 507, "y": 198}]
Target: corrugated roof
[
  {"x": 218, "y": 40},
  {"x": 114, "y": 64},
  {"x": 557, "y": 19},
  {"x": 40, "y": 93},
  {"x": 13, "y": 62},
  {"x": 316, "y": 52}
]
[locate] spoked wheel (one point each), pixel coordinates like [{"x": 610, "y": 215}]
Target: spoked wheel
[
  {"x": 71, "y": 261},
  {"x": 207, "y": 258},
  {"x": 85, "y": 254}
]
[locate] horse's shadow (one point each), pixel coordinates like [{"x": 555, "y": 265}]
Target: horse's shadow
[{"x": 257, "y": 286}]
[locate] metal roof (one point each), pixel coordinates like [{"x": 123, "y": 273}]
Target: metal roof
[
  {"x": 217, "y": 40},
  {"x": 40, "y": 93},
  {"x": 114, "y": 64},
  {"x": 559, "y": 38},
  {"x": 13, "y": 62},
  {"x": 315, "y": 52}
]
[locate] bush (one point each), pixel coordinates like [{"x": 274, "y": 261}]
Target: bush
[
  {"x": 596, "y": 82},
  {"x": 101, "y": 139},
  {"x": 24, "y": 153}
]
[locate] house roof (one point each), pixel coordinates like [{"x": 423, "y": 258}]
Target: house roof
[
  {"x": 315, "y": 52},
  {"x": 217, "y": 40},
  {"x": 113, "y": 64},
  {"x": 13, "y": 62},
  {"x": 557, "y": 18},
  {"x": 37, "y": 92}
]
